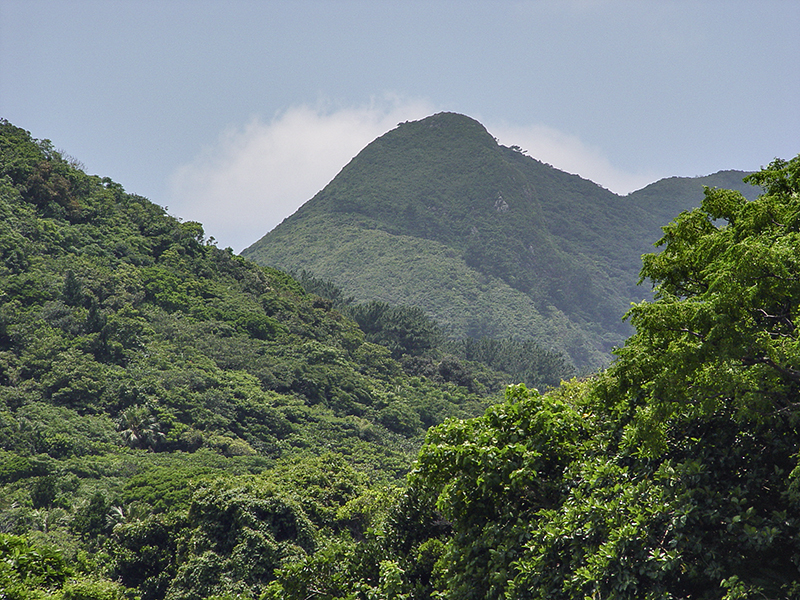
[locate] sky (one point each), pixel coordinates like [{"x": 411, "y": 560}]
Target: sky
[{"x": 234, "y": 113}]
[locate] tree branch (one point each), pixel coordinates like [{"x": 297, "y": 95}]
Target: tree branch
[{"x": 792, "y": 374}]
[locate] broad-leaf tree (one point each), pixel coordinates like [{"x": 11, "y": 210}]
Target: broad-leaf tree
[
  {"x": 675, "y": 473},
  {"x": 722, "y": 331}
]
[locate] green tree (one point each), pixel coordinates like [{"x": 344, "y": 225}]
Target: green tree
[
  {"x": 722, "y": 330},
  {"x": 24, "y": 566},
  {"x": 489, "y": 477},
  {"x": 239, "y": 532},
  {"x": 675, "y": 473},
  {"x": 143, "y": 555},
  {"x": 73, "y": 290},
  {"x": 402, "y": 329},
  {"x": 139, "y": 428},
  {"x": 90, "y": 520}
]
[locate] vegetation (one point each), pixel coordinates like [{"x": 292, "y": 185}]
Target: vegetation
[
  {"x": 673, "y": 474},
  {"x": 486, "y": 240},
  {"x": 179, "y": 423},
  {"x": 140, "y": 365},
  {"x": 424, "y": 349}
]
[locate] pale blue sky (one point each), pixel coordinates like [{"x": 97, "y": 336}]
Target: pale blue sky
[{"x": 234, "y": 113}]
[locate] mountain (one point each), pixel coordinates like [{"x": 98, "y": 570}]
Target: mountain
[{"x": 486, "y": 240}]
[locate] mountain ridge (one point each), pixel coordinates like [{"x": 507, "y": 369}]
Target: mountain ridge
[{"x": 569, "y": 246}]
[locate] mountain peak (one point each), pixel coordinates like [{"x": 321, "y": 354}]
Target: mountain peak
[
  {"x": 488, "y": 241},
  {"x": 450, "y": 123}
]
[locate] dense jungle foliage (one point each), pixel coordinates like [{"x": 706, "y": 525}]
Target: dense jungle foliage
[
  {"x": 415, "y": 338},
  {"x": 671, "y": 475},
  {"x": 177, "y": 422},
  {"x": 142, "y": 367},
  {"x": 488, "y": 241}
]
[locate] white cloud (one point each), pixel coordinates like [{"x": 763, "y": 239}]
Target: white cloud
[
  {"x": 568, "y": 153},
  {"x": 255, "y": 176}
]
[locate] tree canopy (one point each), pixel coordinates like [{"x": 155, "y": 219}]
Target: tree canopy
[
  {"x": 674, "y": 474},
  {"x": 722, "y": 331},
  {"x": 141, "y": 365}
]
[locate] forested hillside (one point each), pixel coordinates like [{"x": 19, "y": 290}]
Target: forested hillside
[
  {"x": 143, "y": 369},
  {"x": 179, "y": 423},
  {"x": 671, "y": 475},
  {"x": 486, "y": 240}
]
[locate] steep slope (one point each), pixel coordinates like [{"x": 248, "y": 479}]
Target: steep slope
[
  {"x": 107, "y": 303},
  {"x": 487, "y": 240},
  {"x": 141, "y": 367}
]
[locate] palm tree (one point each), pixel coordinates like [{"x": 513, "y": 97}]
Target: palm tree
[
  {"x": 139, "y": 428},
  {"x": 118, "y": 515}
]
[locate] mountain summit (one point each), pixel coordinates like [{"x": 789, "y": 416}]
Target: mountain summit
[{"x": 487, "y": 240}]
